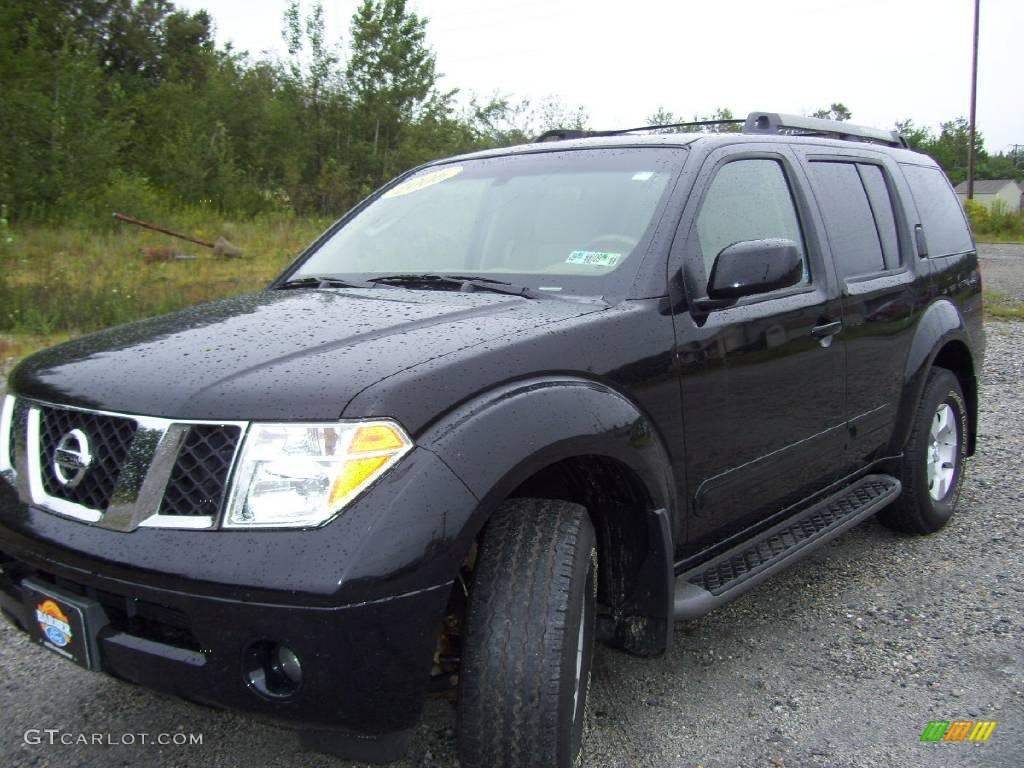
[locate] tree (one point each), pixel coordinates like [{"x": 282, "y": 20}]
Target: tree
[
  {"x": 918, "y": 138},
  {"x": 502, "y": 121},
  {"x": 661, "y": 116},
  {"x": 835, "y": 111},
  {"x": 950, "y": 148},
  {"x": 664, "y": 117},
  {"x": 317, "y": 174},
  {"x": 62, "y": 121},
  {"x": 392, "y": 79}
]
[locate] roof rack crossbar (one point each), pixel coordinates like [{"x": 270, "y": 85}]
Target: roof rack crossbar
[
  {"x": 774, "y": 122},
  {"x": 694, "y": 124},
  {"x": 560, "y": 134}
]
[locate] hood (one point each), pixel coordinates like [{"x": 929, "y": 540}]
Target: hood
[{"x": 285, "y": 355}]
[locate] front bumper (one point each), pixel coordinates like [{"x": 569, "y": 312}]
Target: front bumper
[
  {"x": 365, "y": 667},
  {"x": 360, "y": 601}
]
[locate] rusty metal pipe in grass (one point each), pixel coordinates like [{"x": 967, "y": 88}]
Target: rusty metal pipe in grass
[{"x": 222, "y": 247}]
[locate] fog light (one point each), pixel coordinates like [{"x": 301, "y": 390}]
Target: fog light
[{"x": 272, "y": 670}]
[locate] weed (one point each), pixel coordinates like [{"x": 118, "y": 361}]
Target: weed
[{"x": 999, "y": 306}]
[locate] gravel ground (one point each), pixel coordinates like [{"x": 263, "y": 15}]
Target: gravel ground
[
  {"x": 1001, "y": 269},
  {"x": 840, "y": 661}
]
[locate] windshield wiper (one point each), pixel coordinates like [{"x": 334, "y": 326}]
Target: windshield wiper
[
  {"x": 317, "y": 282},
  {"x": 466, "y": 283}
]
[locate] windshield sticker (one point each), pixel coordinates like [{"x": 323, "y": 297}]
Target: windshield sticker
[
  {"x": 643, "y": 175},
  {"x": 594, "y": 258},
  {"x": 417, "y": 183}
]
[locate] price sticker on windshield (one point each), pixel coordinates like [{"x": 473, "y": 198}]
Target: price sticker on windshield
[
  {"x": 423, "y": 181},
  {"x": 594, "y": 258}
]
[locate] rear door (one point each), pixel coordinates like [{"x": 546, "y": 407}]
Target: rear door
[
  {"x": 762, "y": 381},
  {"x": 883, "y": 289}
]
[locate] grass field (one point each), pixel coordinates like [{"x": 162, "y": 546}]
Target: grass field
[{"x": 57, "y": 282}]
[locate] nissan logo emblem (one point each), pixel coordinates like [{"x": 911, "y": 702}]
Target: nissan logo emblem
[{"x": 71, "y": 458}]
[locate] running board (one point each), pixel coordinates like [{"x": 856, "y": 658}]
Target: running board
[{"x": 746, "y": 565}]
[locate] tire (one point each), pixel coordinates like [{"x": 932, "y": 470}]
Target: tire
[
  {"x": 529, "y": 638},
  {"x": 932, "y": 469}
]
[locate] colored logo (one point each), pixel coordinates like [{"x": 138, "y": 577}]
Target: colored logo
[
  {"x": 958, "y": 730},
  {"x": 54, "y": 623}
]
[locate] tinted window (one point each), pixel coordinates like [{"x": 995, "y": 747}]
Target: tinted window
[
  {"x": 945, "y": 228},
  {"x": 852, "y": 234},
  {"x": 881, "y": 205},
  {"x": 747, "y": 200}
]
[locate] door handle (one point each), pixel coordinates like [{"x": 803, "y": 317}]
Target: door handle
[{"x": 827, "y": 329}]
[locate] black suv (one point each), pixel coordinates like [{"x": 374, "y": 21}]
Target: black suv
[{"x": 514, "y": 402}]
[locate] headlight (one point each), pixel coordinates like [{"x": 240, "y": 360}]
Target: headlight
[{"x": 293, "y": 475}]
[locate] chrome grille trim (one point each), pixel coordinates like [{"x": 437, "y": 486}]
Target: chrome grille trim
[
  {"x": 142, "y": 480},
  {"x": 7, "y": 437}
]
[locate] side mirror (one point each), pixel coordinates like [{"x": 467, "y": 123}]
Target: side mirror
[{"x": 755, "y": 266}]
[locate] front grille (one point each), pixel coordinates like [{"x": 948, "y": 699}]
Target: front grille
[
  {"x": 110, "y": 437},
  {"x": 151, "y": 621},
  {"x": 155, "y": 471},
  {"x": 199, "y": 478}
]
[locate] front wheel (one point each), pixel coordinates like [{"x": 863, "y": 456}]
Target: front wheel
[
  {"x": 932, "y": 470},
  {"x": 529, "y": 638}
]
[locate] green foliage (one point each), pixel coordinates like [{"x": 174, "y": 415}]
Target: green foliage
[
  {"x": 950, "y": 147},
  {"x": 977, "y": 214},
  {"x": 836, "y": 111},
  {"x": 1002, "y": 307},
  {"x": 393, "y": 85},
  {"x": 502, "y": 121},
  {"x": 996, "y": 222},
  {"x": 665, "y": 117},
  {"x": 129, "y": 105}
]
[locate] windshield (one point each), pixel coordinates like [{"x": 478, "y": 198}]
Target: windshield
[{"x": 553, "y": 220}]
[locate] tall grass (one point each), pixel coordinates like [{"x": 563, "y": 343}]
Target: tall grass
[
  {"x": 995, "y": 223},
  {"x": 71, "y": 279}
]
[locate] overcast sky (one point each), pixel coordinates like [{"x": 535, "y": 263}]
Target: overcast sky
[{"x": 887, "y": 60}]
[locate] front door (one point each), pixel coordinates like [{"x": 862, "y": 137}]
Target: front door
[{"x": 762, "y": 380}]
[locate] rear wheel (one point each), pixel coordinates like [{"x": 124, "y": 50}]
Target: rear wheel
[
  {"x": 529, "y": 638},
  {"x": 932, "y": 470}
]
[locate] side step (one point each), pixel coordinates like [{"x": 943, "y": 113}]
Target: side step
[{"x": 746, "y": 565}]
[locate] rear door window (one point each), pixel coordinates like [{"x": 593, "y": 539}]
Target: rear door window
[
  {"x": 942, "y": 217},
  {"x": 853, "y": 235}
]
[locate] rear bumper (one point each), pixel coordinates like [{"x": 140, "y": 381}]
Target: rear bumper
[{"x": 365, "y": 667}]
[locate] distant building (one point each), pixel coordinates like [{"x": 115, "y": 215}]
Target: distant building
[{"x": 987, "y": 191}]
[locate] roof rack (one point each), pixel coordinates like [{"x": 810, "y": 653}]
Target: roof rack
[
  {"x": 561, "y": 134},
  {"x": 797, "y": 125},
  {"x": 756, "y": 122}
]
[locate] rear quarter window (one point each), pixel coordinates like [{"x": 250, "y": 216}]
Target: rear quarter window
[{"x": 942, "y": 217}]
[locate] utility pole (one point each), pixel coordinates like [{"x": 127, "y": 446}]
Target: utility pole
[{"x": 974, "y": 100}]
